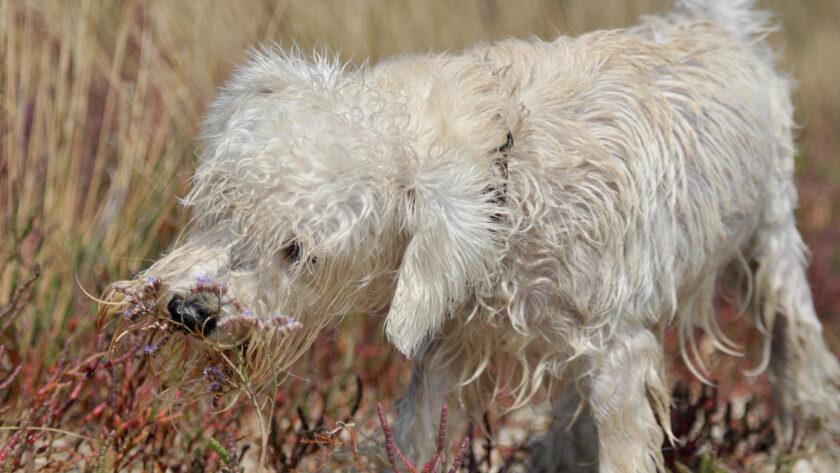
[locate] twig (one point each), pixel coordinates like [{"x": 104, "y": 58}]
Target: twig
[
  {"x": 103, "y": 452},
  {"x": 6, "y": 459},
  {"x": 433, "y": 464},
  {"x": 48, "y": 429},
  {"x": 11, "y": 378},
  {"x": 391, "y": 448},
  {"x": 459, "y": 457},
  {"x": 21, "y": 294}
]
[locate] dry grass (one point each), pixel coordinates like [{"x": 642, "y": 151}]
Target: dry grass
[{"x": 100, "y": 104}]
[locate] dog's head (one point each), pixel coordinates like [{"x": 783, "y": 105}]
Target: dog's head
[{"x": 323, "y": 191}]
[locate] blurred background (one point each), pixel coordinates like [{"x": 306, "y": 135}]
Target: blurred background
[{"x": 100, "y": 106}]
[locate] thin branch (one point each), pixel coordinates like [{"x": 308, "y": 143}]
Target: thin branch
[
  {"x": 48, "y": 429},
  {"x": 391, "y": 448},
  {"x": 433, "y": 464},
  {"x": 22, "y": 294},
  {"x": 459, "y": 457}
]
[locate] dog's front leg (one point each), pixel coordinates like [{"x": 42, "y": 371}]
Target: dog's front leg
[
  {"x": 418, "y": 412},
  {"x": 628, "y": 394}
]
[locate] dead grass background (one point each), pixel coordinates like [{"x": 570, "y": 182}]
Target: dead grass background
[{"x": 100, "y": 104}]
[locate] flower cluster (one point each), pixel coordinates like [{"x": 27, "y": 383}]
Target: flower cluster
[{"x": 142, "y": 301}]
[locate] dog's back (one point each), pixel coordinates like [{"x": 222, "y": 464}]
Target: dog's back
[{"x": 661, "y": 150}]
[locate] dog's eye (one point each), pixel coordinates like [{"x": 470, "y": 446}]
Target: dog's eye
[{"x": 292, "y": 251}]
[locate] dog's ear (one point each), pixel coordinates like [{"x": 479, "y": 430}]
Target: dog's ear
[{"x": 452, "y": 223}]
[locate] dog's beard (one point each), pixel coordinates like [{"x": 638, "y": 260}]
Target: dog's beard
[{"x": 203, "y": 342}]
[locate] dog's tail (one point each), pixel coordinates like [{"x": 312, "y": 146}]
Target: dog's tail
[{"x": 740, "y": 18}]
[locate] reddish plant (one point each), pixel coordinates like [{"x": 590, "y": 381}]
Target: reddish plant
[{"x": 394, "y": 452}]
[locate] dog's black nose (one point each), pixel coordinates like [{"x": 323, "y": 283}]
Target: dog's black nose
[
  {"x": 196, "y": 313},
  {"x": 174, "y": 307}
]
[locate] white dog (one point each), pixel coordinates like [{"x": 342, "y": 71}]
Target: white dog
[{"x": 530, "y": 215}]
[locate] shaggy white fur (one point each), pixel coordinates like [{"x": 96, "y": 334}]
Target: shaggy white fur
[{"x": 530, "y": 214}]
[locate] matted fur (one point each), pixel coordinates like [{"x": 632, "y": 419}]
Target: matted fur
[{"x": 530, "y": 214}]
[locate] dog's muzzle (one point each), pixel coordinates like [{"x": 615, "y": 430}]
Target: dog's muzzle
[{"x": 195, "y": 312}]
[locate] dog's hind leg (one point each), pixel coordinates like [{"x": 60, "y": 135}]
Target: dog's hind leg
[
  {"x": 571, "y": 443},
  {"x": 629, "y": 400},
  {"x": 805, "y": 373}
]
